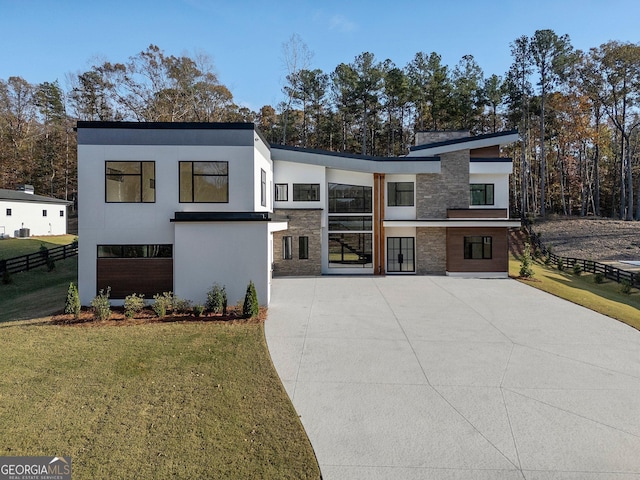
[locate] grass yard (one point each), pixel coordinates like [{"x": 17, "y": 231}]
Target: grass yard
[
  {"x": 15, "y": 247},
  {"x": 173, "y": 400},
  {"x": 604, "y": 298}
]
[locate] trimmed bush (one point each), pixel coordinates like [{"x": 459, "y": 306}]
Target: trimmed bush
[
  {"x": 217, "y": 299},
  {"x": 198, "y": 310},
  {"x": 162, "y": 303},
  {"x": 133, "y": 304},
  {"x": 7, "y": 278},
  {"x": 598, "y": 278},
  {"x": 180, "y": 305},
  {"x": 560, "y": 264},
  {"x": 101, "y": 305},
  {"x": 250, "y": 308},
  {"x": 72, "y": 304}
]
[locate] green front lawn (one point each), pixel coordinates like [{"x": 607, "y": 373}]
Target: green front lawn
[
  {"x": 172, "y": 400},
  {"x": 604, "y": 298}
]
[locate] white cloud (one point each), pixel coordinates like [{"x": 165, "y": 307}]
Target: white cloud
[{"x": 341, "y": 23}]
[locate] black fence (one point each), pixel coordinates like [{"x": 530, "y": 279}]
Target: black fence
[
  {"x": 38, "y": 259},
  {"x": 608, "y": 271}
]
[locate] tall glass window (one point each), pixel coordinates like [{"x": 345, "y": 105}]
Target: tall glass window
[
  {"x": 130, "y": 182},
  {"x": 204, "y": 182}
]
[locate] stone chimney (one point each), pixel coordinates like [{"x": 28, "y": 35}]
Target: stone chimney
[{"x": 435, "y": 136}]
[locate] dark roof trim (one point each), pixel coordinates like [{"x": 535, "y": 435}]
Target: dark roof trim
[
  {"x": 353, "y": 155},
  {"x": 491, "y": 160},
  {"x": 169, "y": 125},
  {"x": 221, "y": 217},
  {"x": 456, "y": 141}
]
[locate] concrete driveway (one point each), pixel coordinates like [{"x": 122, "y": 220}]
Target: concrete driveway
[{"x": 448, "y": 378}]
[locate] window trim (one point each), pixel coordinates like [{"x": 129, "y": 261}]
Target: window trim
[
  {"x": 468, "y": 247},
  {"x": 142, "y": 180},
  {"x": 484, "y": 191},
  {"x": 396, "y": 202},
  {"x": 286, "y": 192},
  {"x": 313, "y": 187},
  {"x": 192, "y": 162}
]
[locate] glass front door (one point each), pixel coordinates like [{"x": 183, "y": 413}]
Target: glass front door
[{"x": 400, "y": 254}]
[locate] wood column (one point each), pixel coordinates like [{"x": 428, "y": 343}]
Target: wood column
[{"x": 379, "y": 251}]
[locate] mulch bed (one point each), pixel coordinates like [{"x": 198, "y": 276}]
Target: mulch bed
[{"x": 148, "y": 316}]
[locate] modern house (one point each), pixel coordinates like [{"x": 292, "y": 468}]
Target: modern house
[
  {"x": 23, "y": 214},
  {"x": 179, "y": 206}
]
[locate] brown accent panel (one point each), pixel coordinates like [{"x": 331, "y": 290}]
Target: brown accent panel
[
  {"x": 455, "y": 250},
  {"x": 486, "y": 152},
  {"x": 477, "y": 213},
  {"x": 125, "y": 276},
  {"x": 379, "y": 250}
]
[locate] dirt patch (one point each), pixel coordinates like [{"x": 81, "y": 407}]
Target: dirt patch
[
  {"x": 147, "y": 316},
  {"x": 590, "y": 238}
]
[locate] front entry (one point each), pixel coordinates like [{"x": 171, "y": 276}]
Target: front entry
[{"x": 400, "y": 254}]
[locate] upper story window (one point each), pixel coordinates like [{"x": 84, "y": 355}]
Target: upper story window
[
  {"x": 400, "y": 194},
  {"x": 8, "y": 212},
  {"x": 282, "y": 192},
  {"x": 263, "y": 188},
  {"x": 349, "y": 198},
  {"x": 481, "y": 193},
  {"x": 62, "y": 213},
  {"x": 478, "y": 248},
  {"x": 204, "y": 182},
  {"x": 130, "y": 182},
  {"x": 306, "y": 192}
]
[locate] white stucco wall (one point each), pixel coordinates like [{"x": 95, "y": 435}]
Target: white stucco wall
[
  {"x": 500, "y": 189},
  {"x": 399, "y": 213},
  {"x": 29, "y": 215},
  {"x": 290, "y": 173}
]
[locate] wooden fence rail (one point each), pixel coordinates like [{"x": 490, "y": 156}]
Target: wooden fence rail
[
  {"x": 608, "y": 271},
  {"x": 24, "y": 263}
]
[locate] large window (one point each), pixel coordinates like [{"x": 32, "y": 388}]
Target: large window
[
  {"x": 477, "y": 248},
  {"x": 481, "y": 194},
  {"x": 306, "y": 192},
  {"x": 282, "y": 192},
  {"x": 400, "y": 194},
  {"x": 135, "y": 251},
  {"x": 349, "y": 198},
  {"x": 204, "y": 182},
  {"x": 130, "y": 182},
  {"x": 350, "y": 223},
  {"x": 350, "y": 250}
]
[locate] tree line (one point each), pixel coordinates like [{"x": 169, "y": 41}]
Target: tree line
[{"x": 578, "y": 114}]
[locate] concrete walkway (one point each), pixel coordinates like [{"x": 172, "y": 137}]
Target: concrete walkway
[{"x": 448, "y": 378}]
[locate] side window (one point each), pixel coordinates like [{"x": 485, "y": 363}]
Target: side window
[
  {"x": 263, "y": 188},
  {"x": 130, "y": 182},
  {"x": 478, "y": 248},
  {"x": 282, "y": 192},
  {"x": 482, "y": 193},
  {"x": 400, "y": 194},
  {"x": 306, "y": 192},
  {"x": 204, "y": 182},
  {"x": 287, "y": 248}
]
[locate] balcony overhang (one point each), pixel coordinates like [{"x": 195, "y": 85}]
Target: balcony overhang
[{"x": 454, "y": 222}]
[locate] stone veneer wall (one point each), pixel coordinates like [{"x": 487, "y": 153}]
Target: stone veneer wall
[
  {"x": 431, "y": 250},
  {"x": 302, "y": 223},
  {"x": 435, "y": 193},
  {"x": 434, "y": 136}
]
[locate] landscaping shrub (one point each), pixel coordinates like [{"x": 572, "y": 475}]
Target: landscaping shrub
[
  {"x": 6, "y": 278},
  {"x": 101, "y": 305},
  {"x": 198, "y": 310},
  {"x": 560, "y": 264},
  {"x": 72, "y": 304},
  {"x": 625, "y": 287},
  {"x": 180, "y": 305},
  {"x": 526, "y": 270},
  {"x": 577, "y": 269},
  {"x": 162, "y": 303},
  {"x": 51, "y": 265},
  {"x": 250, "y": 308},
  {"x": 598, "y": 278},
  {"x": 217, "y": 299},
  {"x": 133, "y": 304}
]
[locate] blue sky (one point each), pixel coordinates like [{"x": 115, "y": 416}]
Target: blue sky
[{"x": 45, "y": 40}]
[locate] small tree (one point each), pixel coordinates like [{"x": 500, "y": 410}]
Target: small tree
[
  {"x": 72, "y": 304},
  {"x": 133, "y": 304},
  {"x": 526, "y": 269},
  {"x": 250, "y": 308}
]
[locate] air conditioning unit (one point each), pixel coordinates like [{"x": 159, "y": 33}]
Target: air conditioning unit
[{"x": 24, "y": 232}]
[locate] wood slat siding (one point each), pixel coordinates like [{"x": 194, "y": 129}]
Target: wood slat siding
[
  {"x": 125, "y": 276},
  {"x": 486, "y": 152},
  {"x": 477, "y": 213},
  {"x": 455, "y": 250}
]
